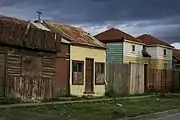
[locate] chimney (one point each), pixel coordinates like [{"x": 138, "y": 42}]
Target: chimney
[{"x": 39, "y": 16}]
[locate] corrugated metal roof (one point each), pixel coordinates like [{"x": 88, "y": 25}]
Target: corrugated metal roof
[
  {"x": 74, "y": 34},
  {"x": 40, "y": 26},
  {"x": 10, "y": 20}
]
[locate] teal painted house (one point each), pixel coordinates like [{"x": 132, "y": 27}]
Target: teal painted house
[{"x": 121, "y": 46}]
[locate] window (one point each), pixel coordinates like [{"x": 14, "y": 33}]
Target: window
[
  {"x": 133, "y": 47},
  {"x": 100, "y": 73},
  {"x": 77, "y": 72},
  {"x": 165, "y": 52},
  {"x": 144, "y": 49}
]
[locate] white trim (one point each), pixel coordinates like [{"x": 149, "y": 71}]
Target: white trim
[{"x": 64, "y": 41}]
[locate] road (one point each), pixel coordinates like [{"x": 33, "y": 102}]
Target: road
[{"x": 175, "y": 116}]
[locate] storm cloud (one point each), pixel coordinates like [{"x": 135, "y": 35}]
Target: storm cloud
[{"x": 160, "y": 18}]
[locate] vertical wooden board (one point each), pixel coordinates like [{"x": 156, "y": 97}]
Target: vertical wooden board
[
  {"x": 141, "y": 82},
  {"x": 2, "y": 75},
  {"x": 133, "y": 78}
]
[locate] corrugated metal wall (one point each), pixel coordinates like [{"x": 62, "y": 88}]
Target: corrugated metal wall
[{"x": 115, "y": 52}]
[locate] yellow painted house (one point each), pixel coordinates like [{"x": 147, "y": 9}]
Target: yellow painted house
[
  {"x": 160, "y": 52},
  {"x": 87, "y": 60},
  {"x": 123, "y": 47}
]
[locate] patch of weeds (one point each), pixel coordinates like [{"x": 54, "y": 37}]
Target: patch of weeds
[
  {"x": 110, "y": 93},
  {"x": 10, "y": 101}
]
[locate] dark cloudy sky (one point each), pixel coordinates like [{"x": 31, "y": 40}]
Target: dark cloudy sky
[{"x": 160, "y": 18}]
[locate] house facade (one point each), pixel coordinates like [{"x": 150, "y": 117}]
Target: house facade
[
  {"x": 123, "y": 47},
  {"x": 87, "y": 60},
  {"x": 160, "y": 52}
]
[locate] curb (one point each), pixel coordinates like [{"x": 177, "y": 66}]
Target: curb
[
  {"x": 69, "y": 102},
  {"x": 153, "y": 115}
]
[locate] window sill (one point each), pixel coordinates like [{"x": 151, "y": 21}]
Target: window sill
[
  {"x": 99, "y": 83},
  {"x": 77, "y": 83},
  {"x": 89, "y": 92}
]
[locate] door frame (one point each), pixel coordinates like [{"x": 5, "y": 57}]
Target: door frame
[{"x": 92, "y": 81}]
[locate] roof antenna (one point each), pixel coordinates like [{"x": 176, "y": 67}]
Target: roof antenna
[{"x": 39, "y": 16}]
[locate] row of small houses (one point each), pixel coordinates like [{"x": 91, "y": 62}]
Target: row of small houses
[{"x": 43, "y": 60}]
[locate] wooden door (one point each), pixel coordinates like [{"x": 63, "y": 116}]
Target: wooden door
[
  {"x": 145, "y": 77},
  {"x": 89, "y": 84},
  {"x": 2, "y": 75}
]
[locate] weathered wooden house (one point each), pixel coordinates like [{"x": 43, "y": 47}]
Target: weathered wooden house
[
  {"x": 27, "y": 60},
  {"x": 87, "y": 59}
]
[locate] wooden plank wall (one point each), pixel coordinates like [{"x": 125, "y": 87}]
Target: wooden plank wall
[
  {"x": 118, "y": 77},
  {"x": 34, "y": 38},
  {"x": 137, "y": 79},
  {"x": 13, "y": 64},
  {"x": 29, "y": 89},
  {"x": 163, "y": 80},
  {"x": 48, "y": 66},
  {"x": 125, "y": 78}
]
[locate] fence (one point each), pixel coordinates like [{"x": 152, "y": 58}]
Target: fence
[
  {"x": 125, "y": 78},
  {"x": 29, "y": 88},
  {"x": 163, "y": 80},
  {"x": 136, "y": 78}
]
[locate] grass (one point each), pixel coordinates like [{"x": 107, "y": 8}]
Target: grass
[{"x": 106, "y": 110}]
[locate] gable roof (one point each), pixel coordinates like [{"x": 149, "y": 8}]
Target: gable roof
[
  {"x": 74, "y": 34},
  {"x": 176, "y": 53},
  {"x": 150, "y": 40},
  {"x": 115, "y": 35}
]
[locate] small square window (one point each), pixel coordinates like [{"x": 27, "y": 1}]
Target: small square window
[
  {"x": 133, "y": 47},
  {"x": 165, "y": 52}
]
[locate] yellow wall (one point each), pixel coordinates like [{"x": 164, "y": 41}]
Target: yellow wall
[
  {"x": 127, "y": 59},
  {"x": 159, "y": 63},
  {"x": 153, "y": 63},
  {"x": 81, "y": 53}
]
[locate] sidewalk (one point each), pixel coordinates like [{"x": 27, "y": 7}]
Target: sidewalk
[{"x": 67, "y": 102}]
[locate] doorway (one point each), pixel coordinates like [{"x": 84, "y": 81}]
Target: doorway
[{"x": 89, "y": 82}]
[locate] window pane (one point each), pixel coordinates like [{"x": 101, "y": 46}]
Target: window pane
[{"x": 80, "y": 67}]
